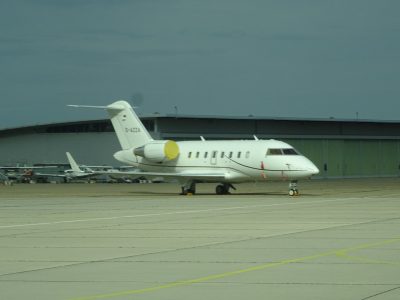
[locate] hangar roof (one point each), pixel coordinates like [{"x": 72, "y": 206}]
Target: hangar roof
[{"x": 184, "y": 126}]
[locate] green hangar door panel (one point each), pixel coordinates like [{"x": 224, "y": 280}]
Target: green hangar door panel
[
  {"x": 389, "y": 158},
  {"x": 351, "y": 159},
  {"x": 333, "y": 158},
  {"x": 369, "y": 155}
]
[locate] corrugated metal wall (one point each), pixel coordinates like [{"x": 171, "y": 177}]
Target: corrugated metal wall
[
  {"x": 86, "y": 148},
  {"x": 351, "y": 158},
  {"x": 339, "y": 149}
]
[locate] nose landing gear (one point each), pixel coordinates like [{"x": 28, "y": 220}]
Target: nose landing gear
[
  {"x": 189, "y": 189},
  {"x": 293, "y": 191}
]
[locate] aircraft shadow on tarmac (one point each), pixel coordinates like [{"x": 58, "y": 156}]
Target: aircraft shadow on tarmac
[{"x": 150, "y": 193}]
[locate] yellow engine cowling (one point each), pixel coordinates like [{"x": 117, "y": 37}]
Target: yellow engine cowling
[{"x": 158, "y": 151}]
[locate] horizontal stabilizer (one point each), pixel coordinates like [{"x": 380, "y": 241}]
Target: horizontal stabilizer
[
  {"x": 86, "y": 106},
  {"x": 113, "y": 106}
]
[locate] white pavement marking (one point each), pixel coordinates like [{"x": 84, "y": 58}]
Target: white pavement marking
[{"x": 175, "y": 213}]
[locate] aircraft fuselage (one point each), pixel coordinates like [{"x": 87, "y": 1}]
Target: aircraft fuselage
[{"x": 238, "y": 160}]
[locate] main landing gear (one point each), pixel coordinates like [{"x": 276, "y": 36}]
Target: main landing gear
[
  {"x": 293, "y": 191},
  {"x": 223, "y": 189},
  {"x": 189, "y": 188}
]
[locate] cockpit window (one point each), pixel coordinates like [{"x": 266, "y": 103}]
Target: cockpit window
[
  {"x": 274, "y": 152},
  {"x": 290, "y": 151},
  {"x": 287, "y": 151}
]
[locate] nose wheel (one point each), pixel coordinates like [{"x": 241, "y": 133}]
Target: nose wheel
[
  {"x": 293, "y": 191},
  {"x": 189, "y": 188}
]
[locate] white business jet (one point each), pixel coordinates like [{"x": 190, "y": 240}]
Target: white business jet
[
  {"x": 79, "y": 172},
  {"x": 192, "y": 162},
  {"x": 75, "y": 172}
]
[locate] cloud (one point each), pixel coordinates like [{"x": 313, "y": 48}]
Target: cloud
[{"x": 202, "y": 55}]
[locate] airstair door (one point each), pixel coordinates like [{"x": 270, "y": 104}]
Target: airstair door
[{"x": 214, "y": 155}]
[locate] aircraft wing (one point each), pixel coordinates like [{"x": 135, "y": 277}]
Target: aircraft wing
[
  {"x": 50, "y": 175},
  {"x": 24, "y": 168},
  {"x": 137, "y": 174},
  {"x": 96, "y": 167},
  {"x": 85, "y": 175}
]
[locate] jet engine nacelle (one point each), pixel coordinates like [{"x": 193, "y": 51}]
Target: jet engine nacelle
[{"x": 158, "y": 151}]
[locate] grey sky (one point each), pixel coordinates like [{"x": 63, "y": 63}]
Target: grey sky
[{"x": 310, "y": 58}]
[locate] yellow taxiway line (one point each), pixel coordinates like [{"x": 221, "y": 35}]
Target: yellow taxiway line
[{"x": 343, "y": 253}]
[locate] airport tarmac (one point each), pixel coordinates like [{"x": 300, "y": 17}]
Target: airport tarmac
[{"x": 339, "y": 240}]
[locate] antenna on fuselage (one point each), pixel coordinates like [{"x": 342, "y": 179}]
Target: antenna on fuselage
[
  {"x": 202, "y": 138},
  {"x": 255, "y": 138}
]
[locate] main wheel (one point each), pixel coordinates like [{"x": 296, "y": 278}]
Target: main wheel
[{"x": 220, "y": 189}]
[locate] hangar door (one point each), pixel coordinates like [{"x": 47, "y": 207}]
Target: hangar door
[{"x": 351, "y": 158}]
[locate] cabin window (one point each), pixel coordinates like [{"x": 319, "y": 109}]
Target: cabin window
[
  {"x": 197, "y": 154},
  {"x": 222, "y": 154},
  {"x": 247, "y": 154},
  {"x": 190, "y": 155},
  {"x": 205, "y": 154},
  {"x": 214, "y": 154},
  {"x": 239, "y": 154},
  {"x": 230, "y": 154}
]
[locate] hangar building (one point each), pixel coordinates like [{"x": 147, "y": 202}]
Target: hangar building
[{"x": 340, "y": 148}]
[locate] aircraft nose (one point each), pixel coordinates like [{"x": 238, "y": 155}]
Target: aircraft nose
[{"x": 313, "y": 169}]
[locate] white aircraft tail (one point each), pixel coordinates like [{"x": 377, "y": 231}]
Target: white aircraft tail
[
  {"x": 73, "y": 164},
  {"x": 130, "y": 130}
]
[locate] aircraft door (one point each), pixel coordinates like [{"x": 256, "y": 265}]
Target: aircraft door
[{"x": 214, "y": 155}]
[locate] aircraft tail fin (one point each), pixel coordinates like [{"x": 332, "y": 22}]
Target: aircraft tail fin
[
  {"x": 130, "y": 130},
  {"x": 72, "y": 162}
]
